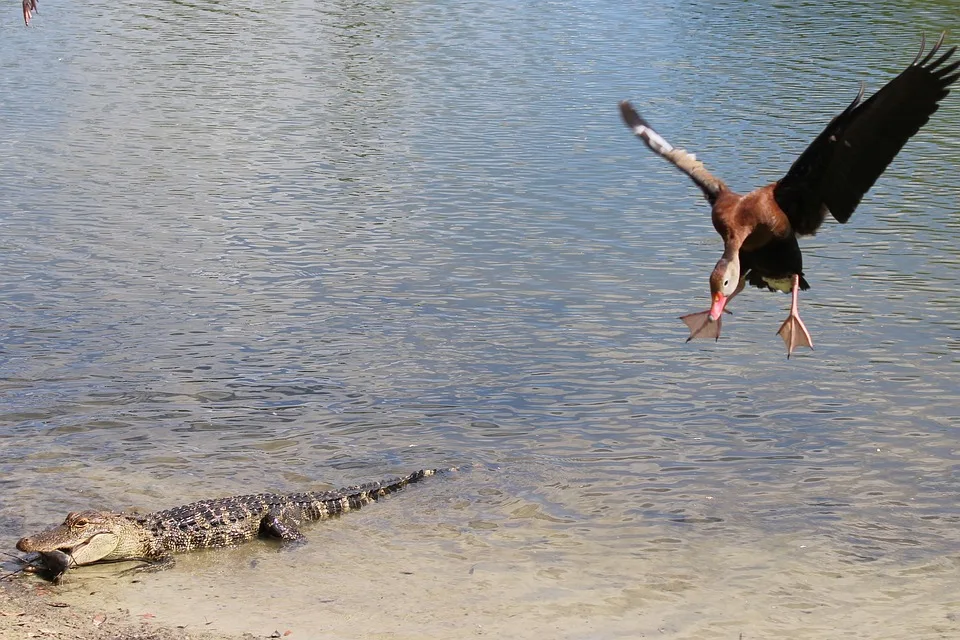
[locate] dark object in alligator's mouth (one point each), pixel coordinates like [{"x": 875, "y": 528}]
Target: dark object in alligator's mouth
[{"x": 57, "y": 563}]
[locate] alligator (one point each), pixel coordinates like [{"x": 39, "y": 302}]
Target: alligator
[{"x": 89, "y": 537}]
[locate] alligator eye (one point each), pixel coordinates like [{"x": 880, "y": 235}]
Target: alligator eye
[{"x": 80, "y": 523}]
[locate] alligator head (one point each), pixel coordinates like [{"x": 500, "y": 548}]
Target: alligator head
[{"x": 87, "y": 537}]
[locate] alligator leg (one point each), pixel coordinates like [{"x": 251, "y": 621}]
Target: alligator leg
[
  {"x": 150, "y": 566},
  {"x": 274, "y": 526}
]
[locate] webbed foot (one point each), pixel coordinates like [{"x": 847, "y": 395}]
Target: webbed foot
[
  {"x": 794, "y": 334},
  {"x": 701, "y": 326},
  {"x": 793, "y": 331}
]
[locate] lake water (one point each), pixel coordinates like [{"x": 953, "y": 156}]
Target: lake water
[{"x": 248, "y": 246}]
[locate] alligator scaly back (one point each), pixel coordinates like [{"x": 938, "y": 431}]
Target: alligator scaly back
[{"x": 88, "y": 537}]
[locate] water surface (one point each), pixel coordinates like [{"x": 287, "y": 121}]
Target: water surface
[{"x": 254, "y": 248}]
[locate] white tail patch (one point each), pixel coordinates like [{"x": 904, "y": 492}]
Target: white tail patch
[
  {"x": 653, "y": 139},
  {"x": 780, "y": 284}
]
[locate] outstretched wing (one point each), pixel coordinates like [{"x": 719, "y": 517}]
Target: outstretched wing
[
  {"x": 686, "y": 162},
  {"x": 849, "y": 155}
]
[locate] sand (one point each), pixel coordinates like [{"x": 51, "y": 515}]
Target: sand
[{"x": 31, "y": 610}]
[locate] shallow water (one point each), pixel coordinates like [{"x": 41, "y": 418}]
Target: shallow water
[{"x": 254, "y": 249}]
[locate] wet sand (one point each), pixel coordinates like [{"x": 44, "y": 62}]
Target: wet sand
[{"x": 31, "y": 610}]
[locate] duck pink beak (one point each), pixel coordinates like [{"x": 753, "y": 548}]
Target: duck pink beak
[{"x": 716, "y": 309}]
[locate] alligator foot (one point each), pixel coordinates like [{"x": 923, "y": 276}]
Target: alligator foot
[
  {"x": 150, "y": 566},
  {"x": 273, "y": 526}
]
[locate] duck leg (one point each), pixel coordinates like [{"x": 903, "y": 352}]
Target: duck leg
[
  {"x": 701, "y": 325},
  {"x": 793, "y": 331}
]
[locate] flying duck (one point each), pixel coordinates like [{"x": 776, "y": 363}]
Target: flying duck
[{"x": 760, "y": 229}]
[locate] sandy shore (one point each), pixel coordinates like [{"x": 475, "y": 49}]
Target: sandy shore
[{"x": 30, "y": 610}]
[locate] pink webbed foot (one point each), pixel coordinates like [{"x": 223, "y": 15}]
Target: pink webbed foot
[
  {"x": 794, "y": 334},
  {"x": 701, "y": 326},
  {"x": 793, "y": 331}
]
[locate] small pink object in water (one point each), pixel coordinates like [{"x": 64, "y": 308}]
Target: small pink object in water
[{"x": 28, "y": 7}]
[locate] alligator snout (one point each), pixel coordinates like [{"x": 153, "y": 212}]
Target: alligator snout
[{"x": 26, "y": 544}]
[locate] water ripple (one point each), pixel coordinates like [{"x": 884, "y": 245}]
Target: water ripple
[{"x": 301, "y": 248}]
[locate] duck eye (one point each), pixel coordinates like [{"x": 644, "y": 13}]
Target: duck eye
[{"x": 726, "y": 282}]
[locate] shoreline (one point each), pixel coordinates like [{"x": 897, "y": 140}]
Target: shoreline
[{"x": 32, "y": 610}]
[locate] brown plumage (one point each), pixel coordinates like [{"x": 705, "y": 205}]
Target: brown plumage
[{"x": 760, "y": 229}]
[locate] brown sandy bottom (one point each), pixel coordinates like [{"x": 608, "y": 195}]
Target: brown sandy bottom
[
  {"x": 33, "y": 611},
  {"x": 733, "y": 594}
]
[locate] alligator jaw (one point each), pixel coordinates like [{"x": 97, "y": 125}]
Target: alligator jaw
[{"x": 83, "y": 538}]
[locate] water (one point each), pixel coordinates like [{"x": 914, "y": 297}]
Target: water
[{"x": 249, "y": 247}]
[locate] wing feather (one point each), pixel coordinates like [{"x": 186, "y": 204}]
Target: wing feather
[
  {"x": 845, "y": 160},
  {"x": 686, "y": 162}
]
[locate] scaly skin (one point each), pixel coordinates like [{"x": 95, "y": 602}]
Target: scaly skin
[{"x": 88, "y": 537}]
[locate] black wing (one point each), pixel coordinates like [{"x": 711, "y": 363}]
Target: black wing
[
  {"x": 686, "y": 162},
  {"x": 850, "y": 154}
]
